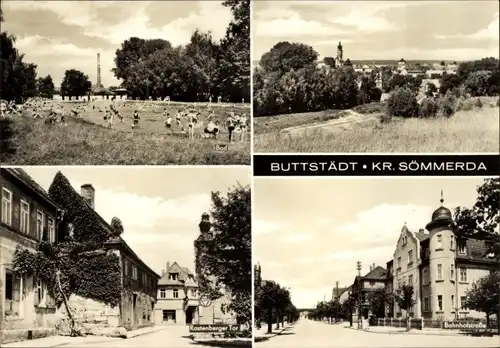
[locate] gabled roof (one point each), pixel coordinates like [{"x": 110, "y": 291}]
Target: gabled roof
[
  {"x": 184, "y": 276},
  {"x": 27, "y": 180},
  {"x": 378, "y": 273}
]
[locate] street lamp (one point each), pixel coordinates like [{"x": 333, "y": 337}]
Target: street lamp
[{"x": 358, "y": 268}]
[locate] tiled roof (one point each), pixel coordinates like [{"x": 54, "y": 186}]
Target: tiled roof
[
  {"x": 476, "y": 251},
  {"x": 29, "y": 181},
  {"x": 376, "y": 273}
]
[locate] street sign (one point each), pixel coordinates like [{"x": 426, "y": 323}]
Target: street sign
[
  {"x": 220, "y": 328},
  {"x": 205, "y": 301}
]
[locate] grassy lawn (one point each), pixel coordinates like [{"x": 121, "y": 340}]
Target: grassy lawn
[
  {"x": 475, "y": 130},
  {"x": 87, "y": 141}
]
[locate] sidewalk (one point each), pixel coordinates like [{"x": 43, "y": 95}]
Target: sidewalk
[
  {"x": 263, "y": 335},
  {"x": 402, "y": 331},
  {"x": 61, "y": 341}
]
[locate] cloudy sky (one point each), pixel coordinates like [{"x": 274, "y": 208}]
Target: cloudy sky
[
  {"x": 434, "y": 30},
  {"x": 160, "y": 208},
  {"x": 61, "y": 35},
  {"x": 308, "y": 234}
]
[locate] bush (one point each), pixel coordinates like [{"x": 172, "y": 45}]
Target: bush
[
  {"x": 447, "y": 104},
  {"x": 429, "y": 108},
  {"x": 403, "y": 103},
  {"x": 478, "y": 104}
]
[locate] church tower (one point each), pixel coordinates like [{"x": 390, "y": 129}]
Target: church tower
[{"x": 340, "y": 53}]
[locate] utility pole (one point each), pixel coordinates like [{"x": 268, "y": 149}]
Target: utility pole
[
  {"x": 337, "y": 302},
  {"x": 358, "y": 268}
]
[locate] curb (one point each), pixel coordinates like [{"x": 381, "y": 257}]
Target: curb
[
  {"x": 265, "y": 338},
  {"x": 219, "y": 343},
  {"x": 131, "y": 334}
]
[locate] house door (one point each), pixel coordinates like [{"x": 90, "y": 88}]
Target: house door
[
  {"x": 134, "y": 313},
  {"x": 190, "y": 315}
]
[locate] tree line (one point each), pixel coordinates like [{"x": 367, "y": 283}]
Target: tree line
[
  {"x": 196, "y": 71},
  {"x": 273, "y": 305},
  {"x": 288, "y": 80},
  {"x": 152, "y": 68},
  {"x": 479, "y": 222}
]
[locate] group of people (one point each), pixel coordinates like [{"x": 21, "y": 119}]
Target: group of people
[
  {"x": 233, "y": 123},
  {"x": 236, "y": 125}
]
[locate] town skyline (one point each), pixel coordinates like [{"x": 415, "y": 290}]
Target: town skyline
[
  {"x": 53, "y": 38},
  {"x": 161, "y": 218},
  {"x": 380, "y": 30},
  {"x": 324, "y": 241}
]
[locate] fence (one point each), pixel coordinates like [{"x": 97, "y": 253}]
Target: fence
[{"x": 421, "y": 323}]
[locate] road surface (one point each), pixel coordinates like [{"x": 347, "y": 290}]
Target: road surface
[
  {"x": 307, "y": 333},
  {"x": 174, "y": 336}
]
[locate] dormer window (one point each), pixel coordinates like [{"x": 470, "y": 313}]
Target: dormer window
[
  {"x": 462, "y": 249},
  {"x": 173, "y": 276}
]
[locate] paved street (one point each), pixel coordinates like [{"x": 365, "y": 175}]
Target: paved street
[
  {"x": 307, "y": 333},
  {"x": 175, "y": 336}
]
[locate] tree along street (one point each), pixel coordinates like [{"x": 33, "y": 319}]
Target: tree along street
[{"x": 308, "y": 333}]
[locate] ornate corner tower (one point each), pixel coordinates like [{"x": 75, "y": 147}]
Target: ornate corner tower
[{"x": 442, "y": 268}]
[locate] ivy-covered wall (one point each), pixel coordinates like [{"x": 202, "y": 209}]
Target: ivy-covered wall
[{"x": 86, "y": 268}]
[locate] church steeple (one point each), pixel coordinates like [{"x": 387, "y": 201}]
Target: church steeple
[{"x": 340, "y": 52}]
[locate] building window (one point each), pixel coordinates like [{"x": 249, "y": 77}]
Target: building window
[
  {"x": 399, "y": 262},
  {"x": 410, "y": 279},
  {"x": 194, "y": 292},
  {"x": 39, "y": 293},
  {"x": 175, "y": 293},
  {"x": 163, "y": 293},
  {"x": 52, "y": 231},
  {"x": 452, "y": 272},
  {"x": 463, "y": 274},
  {"x": 439, "y": 242},
  {"x": 134, "y": 272},
  {"x": 452, "y": 246},
  {"x": 25, "y": 217},
  {"x": 173, "y": 276},
  {"x": 426, "y": 276},
  {"x": 12, "y": 294},
  {"x": 440, "y": 272},
  {"x": 463, "y": 300},
  {"x": 6, "y": 206},
  {"x": 440, "y": 303},
  {"x": 452, "y": 303},
  {"x": 426, "y": 304},
  {"x": 410, "y": 256},
  {"x": 40, "y": 219},
  {"x": 462, "y": 249},
  {"x": 125, "y": 267}
]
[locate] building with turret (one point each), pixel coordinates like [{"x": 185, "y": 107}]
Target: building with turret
[{"x": 441, "y": 267}]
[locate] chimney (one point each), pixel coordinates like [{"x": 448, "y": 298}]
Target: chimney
[
  {"x": 421, "y": 230},
  {"x": 373, "y": 266},
  {"x": 162, "y": 272},
  {"x": 88, "y": 193},
  {"x": 168, "y": 267}
]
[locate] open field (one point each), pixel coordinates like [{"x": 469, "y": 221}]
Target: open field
[
  {"x": 88, "y": 140},
  {"x": 476, "y": 130}
]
